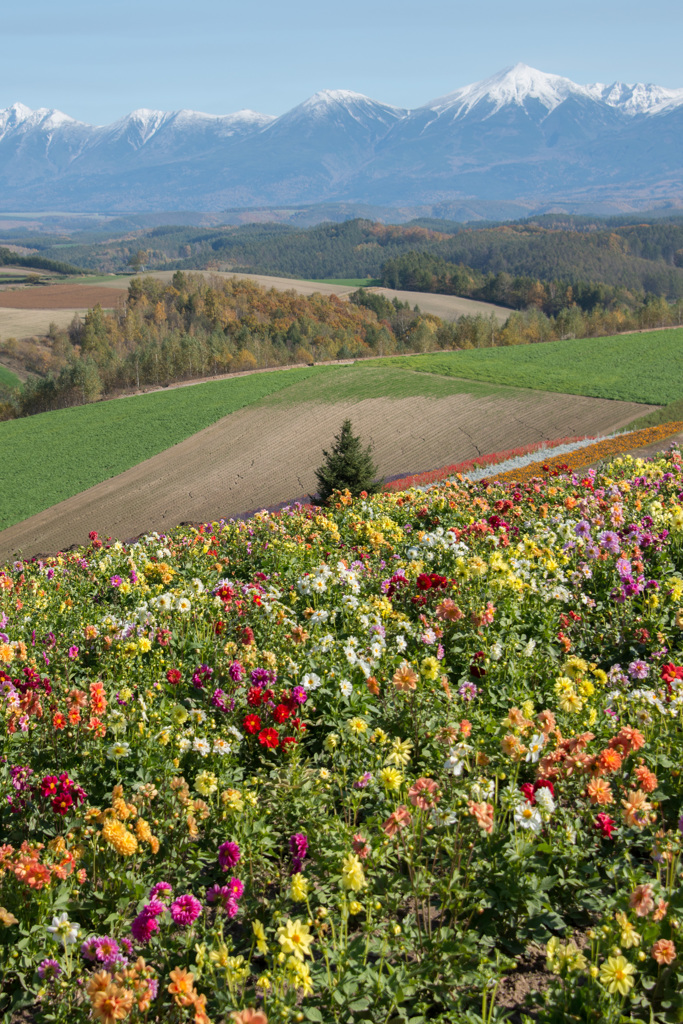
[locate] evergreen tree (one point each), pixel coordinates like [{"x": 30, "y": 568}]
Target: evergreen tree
[{"x": 348, "y": 466}]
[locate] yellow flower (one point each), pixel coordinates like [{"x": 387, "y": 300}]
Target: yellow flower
[
  {"x": 357, "y": 725},
  {"x": 616, "y": 974},
  {"x": 331, "y": 742},
  {"x": 118, "y": 836},
  {"x": 629, "y": 936},
  {"x": 260, "y": 936},
  {"x": 355, "y": 907},
  {"x": 206, "y": 783},
  {"x": 299, "y": 890},
  {"x": 295, "y": 938},
  {"x": 232, "y": 798},
  {"x": 391, "y": 779},
  {"x": 429, "y": 668},
  {"x": 144, "y": 644},
  {"x": 400, "y": 752},
  {"x": 353, "y": 877}
]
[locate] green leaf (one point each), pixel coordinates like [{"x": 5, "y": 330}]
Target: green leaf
[{"x": 313, "y": 1013}]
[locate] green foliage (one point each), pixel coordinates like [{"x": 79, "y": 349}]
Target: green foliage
[
  {"x": 645, "y": 367},
  {"x": 11, "y": 259},
  {"x": 671, "y": 413},
  {"x": 8, "y": 380},
  {"x": 347, "y": 466}
]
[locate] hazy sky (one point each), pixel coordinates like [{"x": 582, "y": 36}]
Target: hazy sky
[{"x": 98, "y": 61}]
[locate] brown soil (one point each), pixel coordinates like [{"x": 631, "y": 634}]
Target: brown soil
[
  {"x": 58, "y": 296},
  {"x": 260, "y": 456}
]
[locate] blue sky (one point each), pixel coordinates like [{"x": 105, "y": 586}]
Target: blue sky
[{"x": 97, "y": 61}]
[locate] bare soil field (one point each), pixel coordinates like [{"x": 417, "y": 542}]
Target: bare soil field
[
  {"x": 58, "y": 296},
  {"x": 266, "y": 454}
]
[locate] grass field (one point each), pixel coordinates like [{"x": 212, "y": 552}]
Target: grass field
[
  {"x": 8, "y": 380},
  {"x": 645, "y": 367},
  {"x": 352, "y": 282}
]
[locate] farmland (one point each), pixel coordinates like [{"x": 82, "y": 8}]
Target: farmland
[
  {"x": 642, "y": 367},
  {"x": 255, "y": 441}
]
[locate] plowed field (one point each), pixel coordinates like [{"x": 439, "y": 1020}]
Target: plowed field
[
  {"x": 265, "y": 454},
  {"x": 59, "y": 296}
]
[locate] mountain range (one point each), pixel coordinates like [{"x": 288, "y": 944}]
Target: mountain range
[{"x": 520, "y": 137}]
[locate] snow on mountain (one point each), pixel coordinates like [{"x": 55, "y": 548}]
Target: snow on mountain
[
  {"x": 514, "y": 85},
  {"x": 639, "y": 98}
]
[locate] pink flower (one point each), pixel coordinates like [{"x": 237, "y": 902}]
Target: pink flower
[
  {"x": 143, "y": 927},
  {"x": 159, "y": 888},
  {"x": 73, "y": 652},
  {"x": 186, "y": 909},
  {"x": 228, "y": 855},
  {"x": 422, "y": 794}
]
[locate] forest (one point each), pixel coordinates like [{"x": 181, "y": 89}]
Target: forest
[{"x": 195, "y": 327}]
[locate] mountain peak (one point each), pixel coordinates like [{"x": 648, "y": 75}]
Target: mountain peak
[{"x": 512, "y": 85}]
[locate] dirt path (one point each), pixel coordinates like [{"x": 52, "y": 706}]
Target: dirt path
[{"x": 267, "y": 454}]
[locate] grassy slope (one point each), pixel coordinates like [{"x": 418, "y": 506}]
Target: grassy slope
[
  {"x": 73, "y": 449},
  {"x": 8, "y": 380},
  {"x": 646, "y": 367}
]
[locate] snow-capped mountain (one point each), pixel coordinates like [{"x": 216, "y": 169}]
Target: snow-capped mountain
[{"x": 520, "y": 135}]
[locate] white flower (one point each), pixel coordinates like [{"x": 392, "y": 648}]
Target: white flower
[
  {"x": 350, "y": 601},
  {"x": 376, "y": 649},
  {"x": 318, "y": 585},
  {"x": 536, "y": 744},
  {"x": 401, "y": 644},
  {"x": 350, "y": 654},
  {"x": 236, "y": 733},
  {"x": 496, "y": 652},
  {"x": 197, "y": 586},
  {"x": 117, "y": 750},
  {"x": 310, "y": 681},
  {"x": 183, "y": 605},
  {"x": 527, "y": 816},
  {"x": 197, "y": 716},
  {"x": 221, "y": 746},
  {"x": 201, "y": 746},
  {"x": 325, "y": 643},
  {"x": 545, "y": 800},
  {"x": 528, "y": 649},
  {"x": 320, "y": 616},
  {"x": 346, "y": 687},
  {"x": 413, "y": 554},
  {"x": 364, "y": 667},
  {"x": 457, "y": 759},
  {"x": 164, "y": 602},
  {"x": 184, "y": 744},
  {"x": 63, "y": 930},
  {"x": 442, "y": 816}
]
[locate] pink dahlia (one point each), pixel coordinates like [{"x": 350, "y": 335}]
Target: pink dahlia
[{"x": 185, "y": 909}]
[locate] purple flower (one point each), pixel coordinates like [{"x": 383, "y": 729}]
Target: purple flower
[
  {"x": 236, "y": 672},
  {"x": 610, "y": 541},
  {"x": 73, "y": 653},
  {"x": 638, "y": 669},
  {"x": 153, "y": 908},
  {"x": 185, "y": 909},
  {"x": 299, "y": 695},
  {"x": 127, "y": 945},
  {"x": 228, "y": 855},
  {"x": 48, "y": 970},
  {"x": 106, "y": 947},
  {"x": 89, "y": 948},
  {"x": 583, "y": 529},
  {"x": 116, "y": 581},
  {"x": 364, "y": 781},
  {"x": 218, "y": 894},
  {"x": 218, "y": 700},
  {"x": 201, "y": 675},
  {"x": 298, "y": 845},
  {"x": 468, "y": 691}
]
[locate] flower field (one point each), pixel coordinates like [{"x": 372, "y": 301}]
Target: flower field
[{"x": 382, "y": 762}]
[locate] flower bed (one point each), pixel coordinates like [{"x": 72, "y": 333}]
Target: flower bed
[{"x": 353, "y": 764}]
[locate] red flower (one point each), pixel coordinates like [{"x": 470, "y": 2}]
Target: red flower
[
  {"x": 288, "y": 740},
  {"x": 173, "y": 675},
  {"x": 255, "y": 696},
  {"x": 268, "y": 737},
  {"x": 544, "y": 784},
  {"x": 62, "y": 803},
  {"x": 252, "y": 724},
  {"x": 528, "y": 791},
  {"x": 605, "y": 825},
  {"x": 218, "y": 627},
  {"x": 247, "y": 636},
  {"x": 58, "y": 721},
  {"x": 281, "y": 713},
  {"x": 267, "y": 695},
  {"x": 49, "y": 785}
]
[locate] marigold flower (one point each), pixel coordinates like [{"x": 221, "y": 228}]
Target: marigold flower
[
  {"x": 646, "y": 779},
  {"x": 248, "y": 1016},
  {"x": 599, "y": 792},
  {"x": 118, "y": 836},
  {"x": 353, "y": 877}
]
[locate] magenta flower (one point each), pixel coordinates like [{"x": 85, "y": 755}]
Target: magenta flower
[
  {"x": 228, "y": 855},
  {"x": 154, "y": 908},
  {"x": 298, "y": 845},
  {"x": 236, "y": 888},
  {"x": 106, "y": 947},
  {"x": 48, "y": 970},
  {"x": 159, "y": 888},
  {"x": 143, "y": 927},
  {"x": 185, "y": 909},
  {"x": 73, "y": 652}
]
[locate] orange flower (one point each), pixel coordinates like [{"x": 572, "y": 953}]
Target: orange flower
[
  {"x": 422, "y": 794},
  {"x": 609, "y": 760},
  {"x": 404, "y": 678},
  {"x": 249, "y": 1016},
  {"x": 111, "y": 1004},
  {"x": 465, "y": 728},
  {"x": 372, "y": 685},
  {"x": 397, "y": 819},
  {"x": 58, "y": 720},
  {"x": 646, "y": 778},
  {"x": 483, "y": 812},
  {"x": 641, "y": 900},
  {"x": 546, "y": 721},
  {"x": 448, "y": 610},
  {"x": 599, "y": 792},
  {"x": 664, "y": 951},
  {"x": 182, "y": 986},
  {"x": 636, "y": 808},
  {"x": 660, "y": 912},
  {"x": 200, "y": 1014},
  {"x": 628, "y": 739}
]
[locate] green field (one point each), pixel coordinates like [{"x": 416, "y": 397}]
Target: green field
[
  {"x": 8, "y": 380},
  {"x": 645, "y": 367},
  {"x": 73, "y": 449},
  {"x": 352, "y": 282}
]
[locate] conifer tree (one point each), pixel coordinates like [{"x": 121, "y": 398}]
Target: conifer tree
[{"x": 348, "y": 466}]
